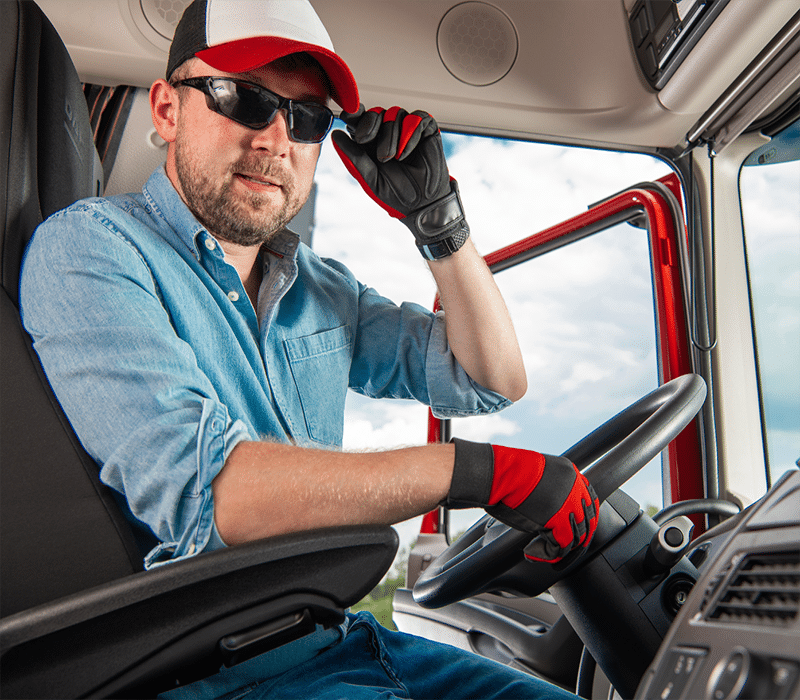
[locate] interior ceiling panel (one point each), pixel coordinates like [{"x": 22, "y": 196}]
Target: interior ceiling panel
[
  {"x": 550, "y": 82},
  {"x": 560, "y": 70}
]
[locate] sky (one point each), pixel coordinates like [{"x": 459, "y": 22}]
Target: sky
[{"x": 584, "y": 313}]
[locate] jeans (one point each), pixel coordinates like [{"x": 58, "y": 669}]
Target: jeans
[{"x": 372, "y": 662}]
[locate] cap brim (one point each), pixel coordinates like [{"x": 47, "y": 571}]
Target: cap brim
[{"x": 248, "y": 54}]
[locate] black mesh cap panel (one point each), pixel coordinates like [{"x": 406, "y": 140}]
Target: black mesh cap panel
[{"x": 190, "y": 35}]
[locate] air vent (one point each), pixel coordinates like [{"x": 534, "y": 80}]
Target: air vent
[{"x": 764, "y": 590}]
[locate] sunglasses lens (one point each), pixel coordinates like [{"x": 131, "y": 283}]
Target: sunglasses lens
[
  {"x": 243, "y": 104},
  {"x": 255, "y": 107},
  {"x": 310, "y": 122}
]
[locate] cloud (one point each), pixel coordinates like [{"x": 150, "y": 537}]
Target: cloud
[
  {"x": 371, "y": 424},
  {"x": 492, "y": 428},
  {"x": 353, "y": 229}
]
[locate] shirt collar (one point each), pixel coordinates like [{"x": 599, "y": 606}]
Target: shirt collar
[
  {"x": 283, "y": 244},
  {"x": 167, "y": 203},
  {"x": 163, "y": 196}
]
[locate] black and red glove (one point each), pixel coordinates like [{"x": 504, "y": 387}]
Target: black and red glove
[
  {"x": 541, "y": 494},
  {"x": 398, "y": 159}
]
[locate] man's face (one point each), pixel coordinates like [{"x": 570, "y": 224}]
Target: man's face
[{"x": 244, "y": 184}]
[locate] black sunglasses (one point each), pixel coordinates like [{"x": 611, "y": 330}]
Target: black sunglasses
[{"x": 255, "y": 107}]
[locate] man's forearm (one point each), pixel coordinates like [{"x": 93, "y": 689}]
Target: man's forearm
[
  {"x": 479, "y": 327},
  {"x": 270, "y": 489},
  {"x": 267, "y": 489}
]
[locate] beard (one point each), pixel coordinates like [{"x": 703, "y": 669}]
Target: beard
[{"x": 244, "y": 219}]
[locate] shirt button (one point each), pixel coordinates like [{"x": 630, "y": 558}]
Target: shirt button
[
  {"x": 210, "y": 243},
  {"x": 233, "y": 296}
]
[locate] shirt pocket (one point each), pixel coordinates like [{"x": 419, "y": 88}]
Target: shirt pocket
[{"x": 320, "y": 366}]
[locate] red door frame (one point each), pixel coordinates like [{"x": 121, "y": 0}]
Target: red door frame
[{"x": 684, "y": 453}]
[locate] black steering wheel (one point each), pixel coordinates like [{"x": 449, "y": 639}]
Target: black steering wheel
[{"x": 615, "y": 451}]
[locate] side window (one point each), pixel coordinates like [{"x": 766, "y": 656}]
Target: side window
[
  {"x": 585, "y": 321},
  {"x": 584, "y": 313},
  {"x": 771, "y": 210}
]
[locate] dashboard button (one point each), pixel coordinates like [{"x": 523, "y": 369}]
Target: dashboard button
[
  {"x": 649, "y": 62},
  {"x": 674, "y": 537},
  {"x": 677, "y": 670},
  {"x": 742, "y": 675},
  {"x": 639, "y": 27},
  {"x": 784, "y": 678}
]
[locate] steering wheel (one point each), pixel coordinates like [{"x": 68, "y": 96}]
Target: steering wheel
[{"x": 615, "y": 451}]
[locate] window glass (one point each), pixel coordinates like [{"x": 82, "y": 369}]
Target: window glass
[
  {"x": 771, "y": 209},
  {"x": 584, "y": 313},
  {"x": 585, "y": 321}
]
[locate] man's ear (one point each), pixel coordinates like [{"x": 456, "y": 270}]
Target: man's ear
[{"x": 164, "y": 106}]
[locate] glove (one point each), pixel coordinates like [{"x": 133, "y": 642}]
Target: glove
[
  {"x": 537, "y": 493},
  {"x": 398, "y": 159}
]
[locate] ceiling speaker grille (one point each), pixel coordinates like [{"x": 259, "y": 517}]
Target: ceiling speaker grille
[
  {"x": 164, "y": 15},
  {"x": 477, "y": 43}
]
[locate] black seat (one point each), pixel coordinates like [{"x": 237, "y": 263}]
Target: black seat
[
  {"x": 50, "y": 161},
  {"x": 78, "y": 614}
]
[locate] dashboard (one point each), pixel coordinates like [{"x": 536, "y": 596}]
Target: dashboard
[{"x": 738, "y": 633}]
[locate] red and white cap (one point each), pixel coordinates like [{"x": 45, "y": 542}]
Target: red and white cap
[{"x": 236, "y": 36}]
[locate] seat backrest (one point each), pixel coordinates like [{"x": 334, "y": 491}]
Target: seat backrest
[{"x": 60, "y": 528}]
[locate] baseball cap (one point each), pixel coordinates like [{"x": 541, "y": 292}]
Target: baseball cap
[{"x": 236, "y": 36}]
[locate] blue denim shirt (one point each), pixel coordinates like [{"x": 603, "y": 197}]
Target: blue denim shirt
[{"x": 163, "y": 366}]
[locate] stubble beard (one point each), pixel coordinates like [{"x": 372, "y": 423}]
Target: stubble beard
[{"x": 244, "y": 219}]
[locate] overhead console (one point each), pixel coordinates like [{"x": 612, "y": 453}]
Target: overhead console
[
  {"x": 665, "y": 31},
  {"x": 738, "y": 634}
]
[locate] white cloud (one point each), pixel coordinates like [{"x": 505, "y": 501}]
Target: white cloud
[
  {"x": 371, "y": 424},
  {"x": 492, "y": 428}
]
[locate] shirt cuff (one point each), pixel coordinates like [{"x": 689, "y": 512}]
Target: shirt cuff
[
  {"x": 452, "y": 392},
  {"x": 197, "y": 510}
]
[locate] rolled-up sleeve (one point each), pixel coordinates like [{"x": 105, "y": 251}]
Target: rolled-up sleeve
[
  {"x": 453, "y": 393},
  {"x": 185, "y": 451},
  {"x": 131, "y": 388}
]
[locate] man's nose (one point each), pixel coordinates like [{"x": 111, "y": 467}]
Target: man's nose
[{"x": 275, "y": 136}]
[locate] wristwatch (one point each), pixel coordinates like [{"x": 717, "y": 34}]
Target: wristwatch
[{"x": 440, "y": 228}]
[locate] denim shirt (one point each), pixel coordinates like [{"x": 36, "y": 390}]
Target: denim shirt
[{"x": 163, "y": 366}]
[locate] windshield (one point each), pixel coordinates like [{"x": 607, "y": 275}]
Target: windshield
[
  {"x": 771, "y": 210},
  {"x": 584, "y": 313}
]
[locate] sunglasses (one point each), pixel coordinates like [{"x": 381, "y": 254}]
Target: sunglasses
[{"x": 255, "y": 107}]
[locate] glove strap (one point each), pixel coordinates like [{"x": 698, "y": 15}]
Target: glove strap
[
  {"x": 473, "y": 472},
  {"x": 440, "y": 229}
]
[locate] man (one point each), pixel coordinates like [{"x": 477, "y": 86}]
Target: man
[{"x": 202, "y": 354}]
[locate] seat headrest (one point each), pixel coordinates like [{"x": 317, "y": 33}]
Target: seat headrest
[{"x": 47, "y": 154}]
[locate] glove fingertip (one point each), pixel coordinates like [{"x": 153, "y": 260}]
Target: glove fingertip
[
  {"x": 367, "y": 127},
  {"x": 545, "y": 548},
  {"x": 337, "y": 135}
]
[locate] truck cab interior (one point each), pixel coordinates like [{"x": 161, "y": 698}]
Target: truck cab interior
[{"x": 697, "y": 596}]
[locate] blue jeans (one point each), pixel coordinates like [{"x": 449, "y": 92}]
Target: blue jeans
[{"x": 372, "y": 662}]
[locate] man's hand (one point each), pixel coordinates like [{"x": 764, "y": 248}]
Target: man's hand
[
  {"x": 541, "y": 494},
  {"x": 398, "y": 159}
]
